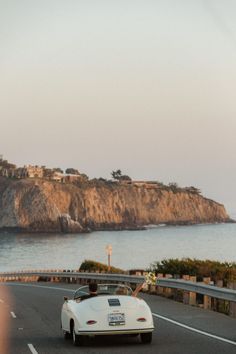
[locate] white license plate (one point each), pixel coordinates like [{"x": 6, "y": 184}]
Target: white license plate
[{"x": 116, "y": 319}]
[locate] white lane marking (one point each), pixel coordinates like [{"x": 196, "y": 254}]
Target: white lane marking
[
  {"x": 195, "y": 330},
  {"x": 32, "y": 349},
  {"x": 13, "y": 314}
]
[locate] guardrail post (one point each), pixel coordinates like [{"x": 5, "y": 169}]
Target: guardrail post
[
  {"x": 217, "y": 304},
  {"x": 232, "y": 305},
  {"x": 189, "y": 298},
  {"x": 152, "y": 289},
  {"x": 193, "y": 296},
  {"x": 207, "y": 299},
  {"x": 186, "y": 293},
  {"x": 160, "y": 289},
  {"x": 168, "y": 291},
  {"x": 177, "y": 294}
]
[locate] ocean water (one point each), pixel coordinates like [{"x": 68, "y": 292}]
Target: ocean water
[{"x": 131, "y": 249}]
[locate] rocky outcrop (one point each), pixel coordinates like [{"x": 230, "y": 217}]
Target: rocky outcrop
[{"x": 36, "y": 205}]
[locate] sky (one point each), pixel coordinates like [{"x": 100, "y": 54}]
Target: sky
[{"x": 146, "y": 86}]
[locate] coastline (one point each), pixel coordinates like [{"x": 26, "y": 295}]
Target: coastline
[
  {"x": 42, "y": 206},
  {"x": 18, "y": 230}
]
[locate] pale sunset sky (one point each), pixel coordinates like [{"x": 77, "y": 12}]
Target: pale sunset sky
[{"x": 146, "y": 86}]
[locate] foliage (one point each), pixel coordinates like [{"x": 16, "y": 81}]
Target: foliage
[
  {"x": 116, "y": 174},
  {"x": 72, "y": 171},
  {"x": 173, "y": 185},
  {"x": 207, "y": 268},
  {"x": 125, "y": 178},
  {"x": 84, "y": 176},
  {"x": 119, "y": 176},
  {"x": 193, "y": 190},
  {"x": 93, "y": 266},
  {"x": 101, "y": 179}
]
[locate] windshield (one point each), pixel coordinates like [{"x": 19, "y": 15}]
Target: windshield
[{"x": 104, "y": 289}]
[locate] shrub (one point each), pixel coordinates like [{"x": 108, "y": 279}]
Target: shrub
[
  {"x": 93, "y": 266},
  {"x": 207, "y": 268},
  {"x": 117, "y": 175},
  {"x": 72, "y": 171}
]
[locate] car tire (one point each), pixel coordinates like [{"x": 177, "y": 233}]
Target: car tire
[
  {"x": 146, "y": 338},
  {"x": 77, "y": 340},
  {"x": 66, "y": 335}
]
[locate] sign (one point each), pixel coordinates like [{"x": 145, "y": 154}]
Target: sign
[{"x": 109, "y": 250}]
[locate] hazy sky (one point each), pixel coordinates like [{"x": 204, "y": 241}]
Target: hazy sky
[{"x": 145, "y": 86}]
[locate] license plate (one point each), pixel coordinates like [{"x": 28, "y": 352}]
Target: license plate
[{"x": 116, "y": 319}]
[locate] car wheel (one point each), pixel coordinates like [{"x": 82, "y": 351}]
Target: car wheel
[
  {"x": 146, "y": 338},
  {"x": 77, "y": 340},
  {"x": 66, "y": 335}
]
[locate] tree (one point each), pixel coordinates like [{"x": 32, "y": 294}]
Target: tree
[
  {"x": 72, "y": 171},
  {"x": 194, "y": 190},
  {"x": 119, "y": 177},
  {"x": 125, "y": 178},
  {"x": 116, "y": 174},
  {"x": 173, "y": 185}
]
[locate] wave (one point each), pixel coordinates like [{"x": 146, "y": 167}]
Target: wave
[{"x": 154, "y": 226}]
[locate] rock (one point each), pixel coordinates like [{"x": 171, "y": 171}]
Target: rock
[
  {"x": 68, "y": 225},
  {"x": 37, "y": 205}
]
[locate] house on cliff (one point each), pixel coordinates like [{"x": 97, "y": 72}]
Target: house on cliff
[{"x": 9, "y": 170}]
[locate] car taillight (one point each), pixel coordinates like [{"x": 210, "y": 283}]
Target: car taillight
[
  {"x": 141, "y": 319},
  {"x": 91, "y": 322}
]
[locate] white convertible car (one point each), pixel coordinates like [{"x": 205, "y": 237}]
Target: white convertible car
[{"x": 113, "y": 311}]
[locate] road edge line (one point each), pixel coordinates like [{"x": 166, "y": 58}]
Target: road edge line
[
  {"x": 32, "y": 349},
  {"x": 195, "y": 329}
]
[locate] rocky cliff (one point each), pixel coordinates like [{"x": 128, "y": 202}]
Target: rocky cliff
[{"x": 37, "y": 205}]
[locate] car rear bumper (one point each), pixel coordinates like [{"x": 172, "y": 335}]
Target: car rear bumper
[{"x": 115, "y": 331}]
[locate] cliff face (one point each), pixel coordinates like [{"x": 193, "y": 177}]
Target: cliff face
[{"x": 43, "y": 206}]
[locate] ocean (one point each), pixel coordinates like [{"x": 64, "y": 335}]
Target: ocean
[{"x": 130, "y": 249}]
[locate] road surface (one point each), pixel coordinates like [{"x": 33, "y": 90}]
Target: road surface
[{"x": 34, "y": 314}]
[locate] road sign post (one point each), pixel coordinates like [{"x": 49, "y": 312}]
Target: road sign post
[{"x": 109, "y": 253}]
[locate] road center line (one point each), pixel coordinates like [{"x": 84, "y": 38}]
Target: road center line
[
  {"x": 32, "y": 349},
  {"x": 13, "y": 314},
  {"x": 195, "y": 330}
]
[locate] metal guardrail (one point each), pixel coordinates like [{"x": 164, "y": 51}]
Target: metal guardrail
[
  {"x": 94, "y": 276},
  {"x": 209, "y": 290},
  {"x": 200, "y": 288}
]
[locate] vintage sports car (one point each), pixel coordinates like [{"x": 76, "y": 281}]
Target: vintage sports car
[{"x": 113, "y": 311}]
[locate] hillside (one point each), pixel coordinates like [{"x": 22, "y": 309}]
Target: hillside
[{"x": 38, "y": 205}]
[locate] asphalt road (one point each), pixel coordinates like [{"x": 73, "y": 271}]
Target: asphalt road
[{"x": 34, "y": 314}]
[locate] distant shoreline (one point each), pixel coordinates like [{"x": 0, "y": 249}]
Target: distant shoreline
[{"x": 17, "y": 230}]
